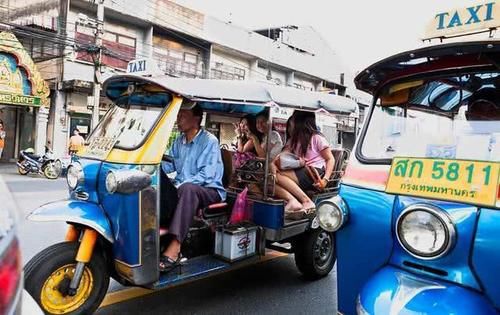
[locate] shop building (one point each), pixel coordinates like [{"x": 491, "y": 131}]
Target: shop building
[
  {"x": 24, "y": 99},
  {"x": 183, "y": 43}
]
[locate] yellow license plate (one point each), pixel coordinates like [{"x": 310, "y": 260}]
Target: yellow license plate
[{"x": 463, "y": 181}]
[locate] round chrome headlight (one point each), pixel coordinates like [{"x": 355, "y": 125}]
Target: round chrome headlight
[
  {"x": 75, "y": 175},
  {"x": 111, "y": 182},
  {"x": 330, "y": 216},
  {"x": 425, "y": 232}
]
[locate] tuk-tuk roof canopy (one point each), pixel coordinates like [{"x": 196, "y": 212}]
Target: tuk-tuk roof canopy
[
  {"x": 227, "y": 92},
  {"x": 461, "y": 55}
]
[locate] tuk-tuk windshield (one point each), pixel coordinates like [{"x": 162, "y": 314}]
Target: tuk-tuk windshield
[
  {"x": 128, "y": 125},
  {"x": 448, "y": 117}
]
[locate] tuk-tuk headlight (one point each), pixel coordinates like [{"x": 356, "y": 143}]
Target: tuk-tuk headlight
[
  {"x": 330, "y": 214},
  {"x": 75, "y": 175},
  {"x": 425, "y": 232},
  {"x": 127, "y": 181}
]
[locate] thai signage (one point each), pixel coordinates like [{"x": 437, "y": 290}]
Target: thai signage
[
  {"x": 20, "y": 99},
  {"x": 20, "y": 81},
  {"x": 476, "y": 18}
]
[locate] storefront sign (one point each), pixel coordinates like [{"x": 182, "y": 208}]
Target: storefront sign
[
  {"x": 476, "y": 18},
  {"x": 18, "y": 88},
  {"x": 20, "y": 100}
]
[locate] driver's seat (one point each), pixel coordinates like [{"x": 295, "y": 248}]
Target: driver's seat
[{"x": 217, "y": 209}]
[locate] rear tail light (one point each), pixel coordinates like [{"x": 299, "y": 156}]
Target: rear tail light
[{"x": 10, "y": 275}]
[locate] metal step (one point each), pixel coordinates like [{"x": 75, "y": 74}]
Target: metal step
[{"x": 198, "y": 267}]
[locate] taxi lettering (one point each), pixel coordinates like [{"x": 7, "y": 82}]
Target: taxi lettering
[{"x": 472, "y": 15}]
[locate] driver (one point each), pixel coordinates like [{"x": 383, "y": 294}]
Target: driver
[
  {"x": 484, "y": 105},
  {"x": 198, "y": 163}
]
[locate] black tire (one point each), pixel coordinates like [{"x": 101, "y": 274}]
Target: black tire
[
  {"x": 38, "y": 270},
  {"x": 315, "y": 253}
]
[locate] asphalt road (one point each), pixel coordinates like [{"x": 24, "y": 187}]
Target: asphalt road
[{"x": 271, "y": 287}]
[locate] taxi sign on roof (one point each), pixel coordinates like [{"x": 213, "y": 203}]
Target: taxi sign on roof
[
  {"x": 475, "y": 18},
  {"x": 146, "y": 66}
]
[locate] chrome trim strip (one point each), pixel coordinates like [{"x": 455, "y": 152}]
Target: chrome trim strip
[{"x": 81, "y": 195}]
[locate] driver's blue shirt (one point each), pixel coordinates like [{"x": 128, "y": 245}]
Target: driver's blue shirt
[{"x": 198, "y": 162}]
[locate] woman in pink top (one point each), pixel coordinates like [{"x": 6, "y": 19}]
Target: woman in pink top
[{"x": 313, "y": 149}]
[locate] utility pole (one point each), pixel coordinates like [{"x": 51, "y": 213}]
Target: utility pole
[{"x": 97, "y": 62}]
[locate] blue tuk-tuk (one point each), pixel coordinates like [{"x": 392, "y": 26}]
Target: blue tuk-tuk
[
  {"x": 417, "y": 230},
  {"x": 115, "y": 188}
]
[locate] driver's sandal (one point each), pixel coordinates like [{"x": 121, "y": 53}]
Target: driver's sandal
[{"x": 167, "y": 264}]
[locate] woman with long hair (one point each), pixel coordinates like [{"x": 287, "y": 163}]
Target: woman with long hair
[
  {"x": 247, "y": 135},
  {"x": 313, "y": 151}
]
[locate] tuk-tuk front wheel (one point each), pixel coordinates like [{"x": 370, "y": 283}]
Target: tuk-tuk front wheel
[
  {"x": 48, "y": 276},
  {"x": 315, "y": 253}
]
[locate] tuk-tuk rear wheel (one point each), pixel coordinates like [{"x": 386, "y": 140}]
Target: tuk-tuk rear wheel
[
  {"x": 315, "y": 254},
  {"x": 48, "y": 274}
]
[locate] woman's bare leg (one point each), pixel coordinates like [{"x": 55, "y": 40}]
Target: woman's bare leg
[
  {"x": 292, "y": 204},
  {"x": 292, "y": 187},
  {"x": 290, "y": 174}
]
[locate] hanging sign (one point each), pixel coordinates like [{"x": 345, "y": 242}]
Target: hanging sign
[
  {"x": 143, "y": 67},
  {"x": 472, "y": 19}
]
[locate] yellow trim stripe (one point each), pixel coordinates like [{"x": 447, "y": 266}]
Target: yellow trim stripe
[{"x": 132, "y": 293}]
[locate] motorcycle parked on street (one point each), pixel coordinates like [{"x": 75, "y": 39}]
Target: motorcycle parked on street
[{"x": 45, "y": 165}]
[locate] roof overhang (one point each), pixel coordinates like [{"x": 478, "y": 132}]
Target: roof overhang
[
  {"x": 236, "y": 92},
  {"x": 428, "y": 60}
]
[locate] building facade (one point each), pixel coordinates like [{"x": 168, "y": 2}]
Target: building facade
[{"x": 183, "y": 43}]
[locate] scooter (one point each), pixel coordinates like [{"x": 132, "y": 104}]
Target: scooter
[{"x": 45, "y": 165}]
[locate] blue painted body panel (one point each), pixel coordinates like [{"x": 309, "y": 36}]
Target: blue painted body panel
[
  {"x": 77, "y": 211},
  {"x": 91, "y": 170},
  {"x": 364, "y": 244},
  {"x": 486, "y": 253},
  {"x": 395, "y": 291},
  {"x": 123, "y": 211},
  {"x": 268, "y": 215},
  {"x": 469, "y": 271},
  {"x": 456, "y": 262},
  {"x": 271, "y": 214}
]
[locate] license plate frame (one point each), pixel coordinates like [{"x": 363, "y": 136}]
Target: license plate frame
[{"x": 465, "y": 181}]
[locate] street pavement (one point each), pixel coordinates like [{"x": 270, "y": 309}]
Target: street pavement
[{"x": 271, "y": 287}]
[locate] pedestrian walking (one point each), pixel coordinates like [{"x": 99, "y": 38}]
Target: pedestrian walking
[{"x": 75, "y": 142}]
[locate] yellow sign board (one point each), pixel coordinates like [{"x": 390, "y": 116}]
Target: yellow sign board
[
  {"x": 476, "y": 18},
  {"x": 474, "y": 182}
]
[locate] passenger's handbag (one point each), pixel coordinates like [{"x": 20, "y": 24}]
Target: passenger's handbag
[
  {"x": 288, "y": 161},
  {"x": 241, "y": 209},
  {"x": 240, "y": 158}
]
